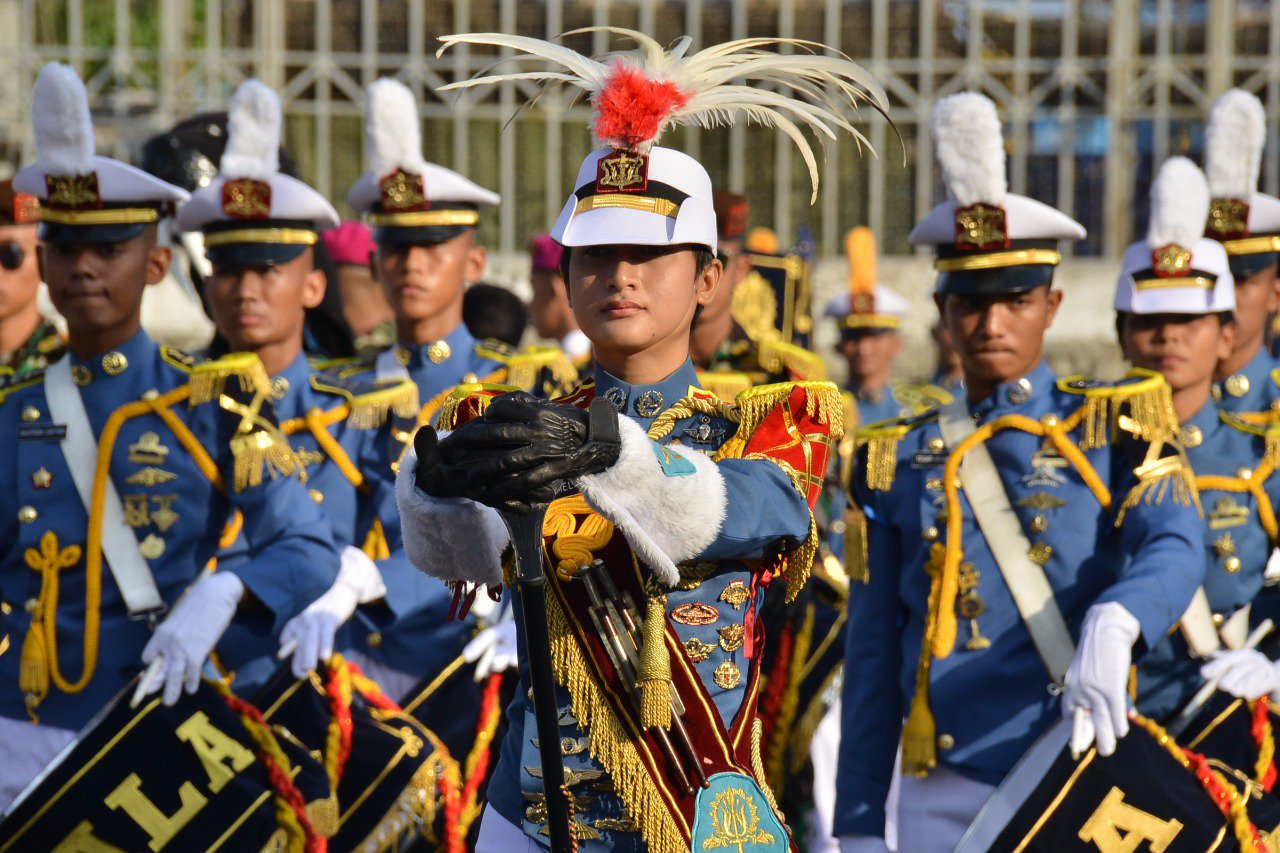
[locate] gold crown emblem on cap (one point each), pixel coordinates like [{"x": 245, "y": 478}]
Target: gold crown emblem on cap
[
  {"x": 246, "y": 198},
  {"x": 73, "y": 192},
  {"x": 981, "y": 226},
  {"x": 1228, "y": 219},
  {"x": 402, "y": 192},
  {"x": 622, "y": 172},
  {"x": 1171, "y": 261}
]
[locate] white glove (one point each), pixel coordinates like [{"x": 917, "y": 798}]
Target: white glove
[
  {"x": 862, "y": 844},
  {"x": 309, "y": 635},
  {"x": 1094, "y": 689},
  {"x": 1246, "y": 673},
  {"x": 494, "y": 648},
  {"x": 177, "y": 650}
]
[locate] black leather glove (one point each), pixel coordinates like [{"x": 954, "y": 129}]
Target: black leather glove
[
  {"x": 430, "y": 476},
  {"x": 523, "y": 446}
]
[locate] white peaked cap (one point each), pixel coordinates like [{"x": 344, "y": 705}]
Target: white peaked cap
[
  {"x": 64, "y": 148},
  {"x": 888, "y": 303},
  {"x": 646, "y": 220},
  {"x": 1175, "y": 269},
  {"x": 393, "y": 142}
]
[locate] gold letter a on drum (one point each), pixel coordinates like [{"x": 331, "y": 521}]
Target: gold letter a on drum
[{"x": 1117, "y": 827}]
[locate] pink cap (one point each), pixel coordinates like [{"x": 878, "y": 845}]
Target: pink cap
[
  {"x": 545, "y": 252},
  {"x": 350, "y": 243}
]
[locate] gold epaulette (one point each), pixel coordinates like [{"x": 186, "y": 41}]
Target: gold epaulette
[
  {"x": 1264, "y": 424},
  {"x": 920, "y": 397},
  {"x": 483, "y": 392},
  {"x": 345, "y": 366},
  {"x": 208, "y": 378},
  {"x": 1150, "y": 415},
  {"x": 725, "y": 384},
  {"x": 526, "y": 366},
  {"x": 10, "y": 381},
  {"x": 777, "y": 356},
  {"x": 371, "y": 400},
  {"x": 882, "y": 439}
]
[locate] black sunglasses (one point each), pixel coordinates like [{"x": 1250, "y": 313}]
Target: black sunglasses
[{"x": 11, "y": 256}]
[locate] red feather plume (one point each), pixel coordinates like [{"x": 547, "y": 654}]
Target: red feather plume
[{"x": 632, "y": 108}]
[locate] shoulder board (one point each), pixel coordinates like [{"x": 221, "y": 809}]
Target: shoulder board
[
  {"x": 495, "y": 350},
  {"x": 209, "y": 378},
  {"x": 1265, "y": 425},
  {"x": 10, "y": 381},
  {"x": 921, "y": 396},
  {"x": 725, "y": 384},
  {"x": 468, "y": 401},
  {"x": 778, "y": 356},
  {"x": 526, "y": 367},
  {"x": 184, "y": 361},
  {"x": 371, "y": 400},
  {"x": 1143, "y": 395}
]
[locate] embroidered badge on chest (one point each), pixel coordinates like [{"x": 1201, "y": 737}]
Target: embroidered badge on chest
[{"x": 673, "y": 464}]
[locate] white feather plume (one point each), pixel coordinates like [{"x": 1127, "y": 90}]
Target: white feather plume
[
  {"x": 61, "y": 122},
  {"x": 1179, "y": 205},
  {"x": 253, "y": 133},
  {"x": 970, "y": 147},
  {"x": 1233, "y": 143},
  {"x": 393, "y": 136},
  {"x": 718, "y": 85}
]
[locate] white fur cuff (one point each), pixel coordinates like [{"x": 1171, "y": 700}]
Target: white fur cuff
[
  {"x": 453, "y": 539},
  {"x": 666, "y": 518}
]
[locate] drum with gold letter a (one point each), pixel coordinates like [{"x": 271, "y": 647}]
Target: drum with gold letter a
[
  {"x": 205, "y": 774},
  {"x": 1151, "y": 794}
]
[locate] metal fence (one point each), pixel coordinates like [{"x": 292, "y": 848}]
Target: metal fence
[{"x": 1094, "y": 93}]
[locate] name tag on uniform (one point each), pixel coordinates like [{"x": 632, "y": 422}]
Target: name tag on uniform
[
  {"x": 928, "y": 459},
  {"x": 42, "y": 432}
]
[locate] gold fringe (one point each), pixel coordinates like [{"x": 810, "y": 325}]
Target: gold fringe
[
  {"x": 725, "y": 384},
  {"x": 653, "y": 677},
  {"x": 208, "y": 379},
  {"x": 882, "y": 455},
  {"x": 856, "y": 560},
  {"x": 608, "y": 740},
  {"x": 369, "y": 411},
  {"x": 257, "y": 450},
  {"x": 525, "y": 367},
  {"x": 1150, "y": 414},
  {"x": 418, "y": 803},
  {"x": 448, "y": 418},
  {"x": 1169, "y": 477},
  {"x": 33, "y": 667}
]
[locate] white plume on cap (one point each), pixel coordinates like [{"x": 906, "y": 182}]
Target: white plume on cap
[
  {"x": 970, "y": 146},
  {"x": 393, "y": 136},
  {"x": 637, "y": 94},
  {"x": 253, "y": 133},
  {"x": 1179, "y": 205},
  {"x": 1233, "y": 144},
  {"x": 60, "y": 119}
]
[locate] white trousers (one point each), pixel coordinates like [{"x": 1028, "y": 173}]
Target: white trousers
[
  {"x": 824, "y": 754},
  {"x": 934, "y": 812},
  {"x": 25, "y": 749},
  {"x": 499, "y": 835}
]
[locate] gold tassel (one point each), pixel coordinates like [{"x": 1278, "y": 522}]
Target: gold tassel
[
  {"x": 654, "y": 675},
  {"x": 33, "y": 668},
  {"x": 1160, "y": 478},
  {"x": 375, "y": 542},
  {"x": 920, "y": 733},
  {"x": 258, "y": 450},
  {"x": 799, "y": 563},
  {"x": 855, "y": 546},
  {"x": 208, "y": 379}
]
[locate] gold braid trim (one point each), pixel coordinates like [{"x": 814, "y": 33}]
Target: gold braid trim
[
  {"x": 608, "y": 740},
  {"x": 653, "y": 675},
  {"x": 417, "y": 804},
  {"x": 1150, "y": 417},
  {"x": 757, "y": 767},
  {"x": 856, "y": 559},
  {"x": 208, "y": 379},
  {"x": 369, "y": 411},
  {"x": 687, "y": 408},
  {"x": 1263, "y": 424},
  {"x": 449, "y": 401}
]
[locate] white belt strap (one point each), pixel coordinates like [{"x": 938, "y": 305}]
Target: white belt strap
[
  {"x": 80, "y": 449},
  {"x": 1000, "y": 526},
  {"x": 387, "y": 366},
  {"x": 1197, "y": 626}
]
